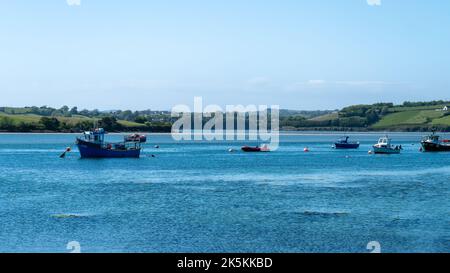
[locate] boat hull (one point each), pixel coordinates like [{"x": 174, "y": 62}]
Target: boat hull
[
  {"x": 435, "y": 147},
  {"x": 346, "y": 145},
  {"x": 378, "y": 150},
  {"x": 88, "y": 151},
  {"x": 254, "y": 149},
  {"x": 251, "y": 149}
]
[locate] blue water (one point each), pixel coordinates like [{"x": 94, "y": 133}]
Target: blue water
[{"x": 198, "y": 197}]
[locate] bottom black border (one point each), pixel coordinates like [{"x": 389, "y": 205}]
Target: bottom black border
[
  {"x": 234, "y": 261},
  {"x": 253, "y": 262}
]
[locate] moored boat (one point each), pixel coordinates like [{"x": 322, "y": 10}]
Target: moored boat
[
  {"x": 135, "y": 138},
  {"x": 93, "y": 145},
  {"x": 433, "y": 143},
  {"x": 263, "y": 148},
  {"x": 343, "y": 143},
  {"x": 384, "y": 146}
]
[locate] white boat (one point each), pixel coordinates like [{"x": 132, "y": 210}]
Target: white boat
[{"x": 384, "y": 146}]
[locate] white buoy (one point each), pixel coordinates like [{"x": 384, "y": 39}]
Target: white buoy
[
  {"x": 156, "y": 146},
  {"x": 306, "y": 149},
  {"x": 231, "y": 150},
  {"x": 370, "y": 152}
]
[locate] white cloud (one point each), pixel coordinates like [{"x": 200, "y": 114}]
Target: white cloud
[
  {"x": 374, "y": 2},
  {"x": 306, "y": 85},
  {"x": 316, "y": 82},
  {"x": 73, "y": 2},
  {"x": 259, "y": 81},
  {"x": 363, "y": 83}
]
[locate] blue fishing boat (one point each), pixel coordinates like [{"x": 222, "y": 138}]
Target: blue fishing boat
[
  {"x": 343, "y": 143},
  {"x": 93, "y": 145}
]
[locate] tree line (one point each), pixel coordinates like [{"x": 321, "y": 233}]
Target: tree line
[
  {"x": 53, "y": 124},
  {"x": 65, "y": 119}
]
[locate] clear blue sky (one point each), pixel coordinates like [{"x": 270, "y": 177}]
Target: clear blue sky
[{"x": 316, "y": 54}]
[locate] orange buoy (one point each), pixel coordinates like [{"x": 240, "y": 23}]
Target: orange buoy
[{"x": 68, "y": 149}]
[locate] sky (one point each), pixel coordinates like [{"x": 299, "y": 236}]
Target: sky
[{"x": 298, "y": 54}]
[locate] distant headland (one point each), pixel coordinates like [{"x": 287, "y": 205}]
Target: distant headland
[{"x": 409, "y": 116}]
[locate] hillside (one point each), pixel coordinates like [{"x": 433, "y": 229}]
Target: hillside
[
  {"x": 416, "y": 116},
  {"x": 420, "y": 116},
  {"x": 45, "y": 119}
]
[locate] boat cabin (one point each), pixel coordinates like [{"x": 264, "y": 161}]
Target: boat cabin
[
  {"x": 433, "y": 138},
  {"x": 344, "y": 139},
  {"x": 98, "y": 135},
  {"x": 384, "y": 142}
]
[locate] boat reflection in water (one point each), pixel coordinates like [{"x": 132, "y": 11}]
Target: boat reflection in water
[{"x": 93, "y": 145}]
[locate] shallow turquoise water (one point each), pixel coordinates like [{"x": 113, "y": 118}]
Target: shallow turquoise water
[{"x": 198, "y": 197}]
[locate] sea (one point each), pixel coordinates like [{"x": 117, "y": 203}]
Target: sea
[{"x": 197, "y": 196}]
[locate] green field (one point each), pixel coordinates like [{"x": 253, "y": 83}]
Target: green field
[
  {"x": 415, "y": 108},
  {"x": 32, "y": 118},
  {"x": 442, "y": 121},
  {"x": 16, "y": 119},
  {"x": 404, "y": 117},
  {"x": 413, "y": 117},
  {"x": 129, "y": 124},
  {"x": 331, "y": 116}
]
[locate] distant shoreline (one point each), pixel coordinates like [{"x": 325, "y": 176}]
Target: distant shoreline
[
  {"x": 282, "y": 133},
  {"x": 290, "y": 131},
  {"x": 379, "y": 117},
  {"x": 67, "y": 133}
]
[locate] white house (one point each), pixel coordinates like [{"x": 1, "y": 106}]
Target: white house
[{"x": 445, "y": 109}]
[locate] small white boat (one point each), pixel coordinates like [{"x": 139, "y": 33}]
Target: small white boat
[{"x": 384, "y": 146}]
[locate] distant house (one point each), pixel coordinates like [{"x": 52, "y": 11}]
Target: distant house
[{"x": 445, "y": 109}]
